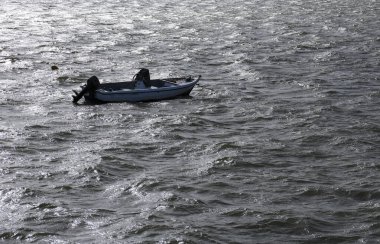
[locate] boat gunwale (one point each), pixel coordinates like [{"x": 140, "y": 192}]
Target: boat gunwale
[{"x": 149, "y": 90}]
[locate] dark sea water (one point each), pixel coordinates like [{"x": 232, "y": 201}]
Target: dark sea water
[{"x": 280, "y": 142}]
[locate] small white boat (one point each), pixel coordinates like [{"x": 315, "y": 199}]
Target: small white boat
[{"x": 141, "y": 89}]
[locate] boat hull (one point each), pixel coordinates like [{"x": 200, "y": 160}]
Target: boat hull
[{"x": 168, "y": 91}]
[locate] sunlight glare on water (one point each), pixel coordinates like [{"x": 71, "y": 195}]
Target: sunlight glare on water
[{"x": 278, "y": 143}]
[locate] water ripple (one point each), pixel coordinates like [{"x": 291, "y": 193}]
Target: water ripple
[{"x": 278, "y": 143}]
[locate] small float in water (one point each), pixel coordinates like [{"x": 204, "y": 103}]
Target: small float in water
[{"x": 140, "y": 89}]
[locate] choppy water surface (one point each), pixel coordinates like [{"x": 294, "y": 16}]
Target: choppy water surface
[{"x": 279, "y": 143}]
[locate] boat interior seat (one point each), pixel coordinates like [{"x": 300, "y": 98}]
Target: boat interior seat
[
  {"x": 157, "y": 83},
  {"x": 118, "y": 86},
  {"x": 131, "y": 85}
]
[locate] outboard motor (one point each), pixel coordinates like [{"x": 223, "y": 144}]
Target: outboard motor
[{"x": 92, "y": 84}]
